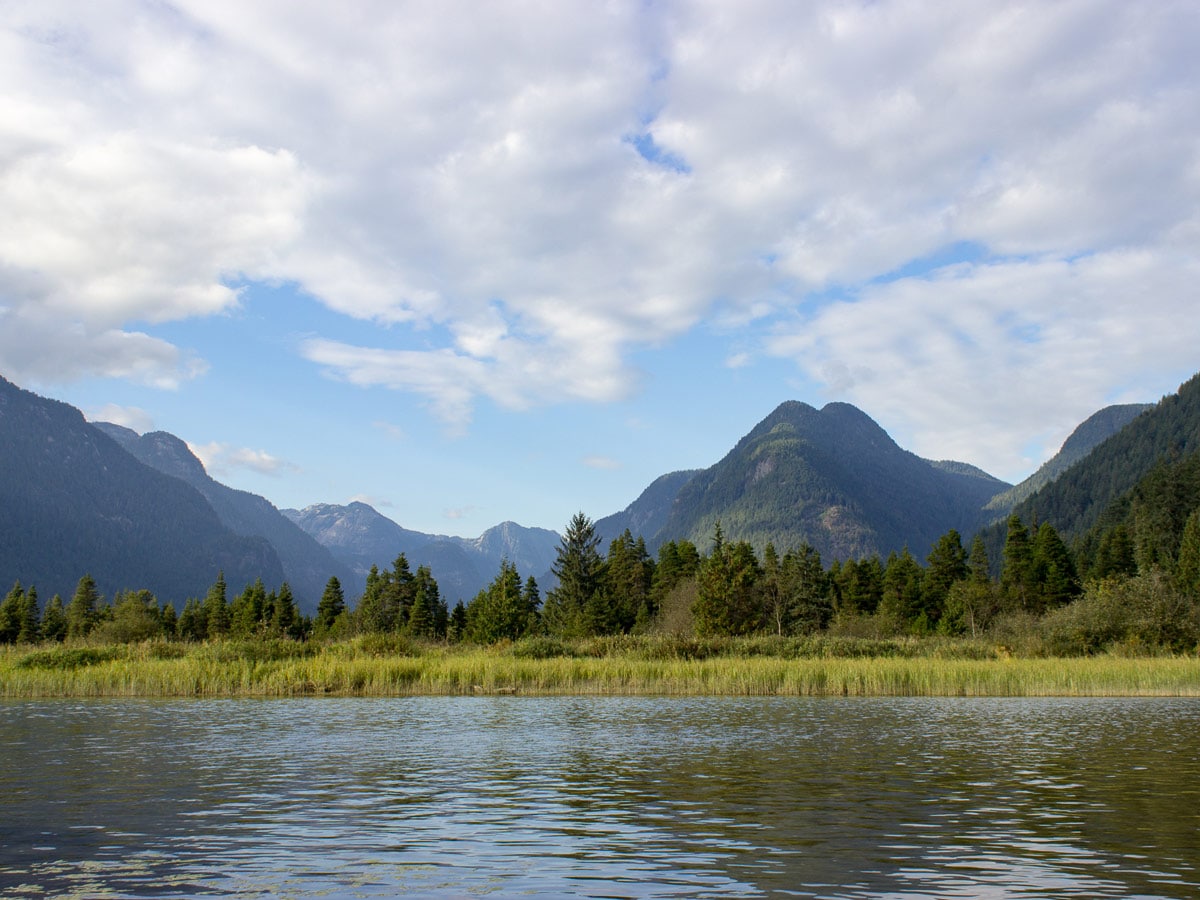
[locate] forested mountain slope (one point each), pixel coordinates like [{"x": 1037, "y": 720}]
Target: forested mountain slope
[
  {"x": 73, "y": 501},
  {"x": 831, "y": 477},
  {"x": 1092, "y": 432},
  {"x": 307, "y": 565},
  {"x": 1074, "y": 502}
]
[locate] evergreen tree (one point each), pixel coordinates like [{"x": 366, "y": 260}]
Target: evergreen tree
[
  {"x": 1016, "y": 578},
  {"x": 333, "y": 602},
  {"x": 858, "y": 586},
  {"x": 370, "y": 614},
  {"x": 284, "y": 614},
  {"x": 1055, "y": 579},
  {"x": 727, "y": 599},
  {"x": 805, "y": 587},
  {"x": 456, "y": 629},
  {"x": 10, "y": 614},
  {"x": 216, "y": 610},
  {"x": 1115, "y": 556},
  {"x": 250, "y": 612},
  {"x": 54, "y": 620},
  {"x": 902, "y": 600},
  {"x": 168, "y": 619},
  {"x": 1187, "y": 568},
  {"x": 499, "y": 611},
  {"x": 677, "y": 562},
  {"x": 947, "y": 563},
  {"x": 628, "y": 578},
  {"x": 193, "y": 621},
  {"x": 426, "y": 614},
  {"x": 31, "y": 627},
  {"x": 83, "y": 611},
  {"x": 578, "y": 568}
]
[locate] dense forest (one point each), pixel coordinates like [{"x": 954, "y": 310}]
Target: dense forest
[{"x": 1132, "y": 581}]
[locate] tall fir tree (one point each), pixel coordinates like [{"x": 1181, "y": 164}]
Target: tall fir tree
[
  {"x": 1187, "y": 567},
  {"x": 1016, "y": 577},
  {"x": 578, "y": 567},
  {"x": 83, "y": 612},
  {"x": 333, "y": 603},
  {"x": 54, "y": 620}
]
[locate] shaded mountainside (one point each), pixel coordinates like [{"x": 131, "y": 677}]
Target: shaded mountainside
[
  {"x": 1092, "y": 432},
  {"x": 648, "y": 514},
  {"x": 73, "y": 501},
  {"x": 307, "y": 565},
  {"x": 1075, "y": 501},
  {"x": 831, "y": 477},
  {"x": 361, "y": 537}
]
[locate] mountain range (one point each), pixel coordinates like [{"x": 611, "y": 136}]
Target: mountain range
[{"x": 139, "y": 510}]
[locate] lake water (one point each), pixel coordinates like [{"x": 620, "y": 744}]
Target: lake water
[{"x": 601, "y": 797}]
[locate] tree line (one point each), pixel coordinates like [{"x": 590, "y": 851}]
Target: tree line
[{"x": 728, "y": 590}]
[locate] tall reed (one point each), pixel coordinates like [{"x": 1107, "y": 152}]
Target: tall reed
[{"x": 617, "y": 667}]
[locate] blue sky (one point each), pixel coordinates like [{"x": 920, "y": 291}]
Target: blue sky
[{"x": 509, "y": 261}]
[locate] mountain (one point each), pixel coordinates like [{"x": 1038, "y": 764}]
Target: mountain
[
  {"x": 648, "y": 514},
  {"x": 307, "y": 566},
  {"x": 74, "y": 502},
  {"x": 1074, "y": 502},
  {"x": 831, "y": 477},
  {"x": 1093, "y": 431},
  {"x": 361, "y": 537}
]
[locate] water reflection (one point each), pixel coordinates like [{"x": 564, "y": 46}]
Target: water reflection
[{"x": 605, "y": 797}]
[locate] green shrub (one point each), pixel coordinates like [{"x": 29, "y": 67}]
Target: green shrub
[{"x": 65, "y": 658}]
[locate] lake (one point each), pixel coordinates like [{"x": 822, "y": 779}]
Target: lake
[{"x": 601, "y": 797}]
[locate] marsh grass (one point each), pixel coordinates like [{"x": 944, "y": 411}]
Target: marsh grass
[{"x": 649, "y": 665}]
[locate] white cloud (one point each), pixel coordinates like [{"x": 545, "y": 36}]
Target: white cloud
[
  {"x": 961, "y": 364},
  {"x": 474, "y": 171},
  {"x": 223, "y": 459},
  {"x": 601, "y": 462},
  {"x": 132, "y": 417}
]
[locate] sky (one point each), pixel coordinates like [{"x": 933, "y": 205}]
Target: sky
[{"x": 475, "y": 262}]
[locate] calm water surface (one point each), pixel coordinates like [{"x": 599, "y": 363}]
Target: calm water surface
[{"x": 601, "y": 797}]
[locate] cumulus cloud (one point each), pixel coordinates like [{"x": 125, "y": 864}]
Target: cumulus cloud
[
  {"x": 224, "y": 459},
  {"x": 551, "y": 187}
]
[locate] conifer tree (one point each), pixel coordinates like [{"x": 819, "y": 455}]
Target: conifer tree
[
  {"x": 285, "y": 616},
  {"x": 805, "y": 586},
  {"x": 83, "y": 611},
  {"x": 31, "y": 626},
  {"x": 947, "y": 563},
  {"x": 499, "y": 611},
  {"x": 578, "y": 569},
  {"x": 333, "y": 602},
  {"x": 456, "y": 629},
  {"x": 1187, "y": 569},
  {"x": 902, "y": 598},
  {"x": 1016, "y": 578},
  {"x": 54, "y": 620},
  {"x": 1055, "y": 579},
  {"x": 727, "y": 598},
  {"x": 216, "y": 610},
  {"x": 193, "y": 621},
  {"x": 10, "y": 614}
]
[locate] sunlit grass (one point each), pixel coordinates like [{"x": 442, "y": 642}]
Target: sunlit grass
[{"x": 648, "y": 666}]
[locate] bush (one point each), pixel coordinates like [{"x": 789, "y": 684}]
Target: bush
[
  {"x": 539, "y": 647},
  {"x": 64, "y": 658},
  {"x": 1142, "y": 614}
]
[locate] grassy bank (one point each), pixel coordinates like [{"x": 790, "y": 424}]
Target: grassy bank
[{"x": 617, "y": 666}]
